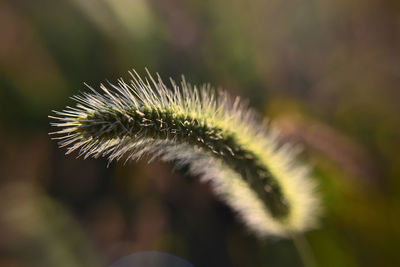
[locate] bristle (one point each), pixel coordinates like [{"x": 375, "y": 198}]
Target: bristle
[{"x": 221, "y": 139}]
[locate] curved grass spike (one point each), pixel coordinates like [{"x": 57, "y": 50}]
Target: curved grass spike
[{"x": 221, "y": 139}]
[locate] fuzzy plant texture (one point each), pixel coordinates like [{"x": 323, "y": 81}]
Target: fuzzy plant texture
[{"x": 218, "y": 137}]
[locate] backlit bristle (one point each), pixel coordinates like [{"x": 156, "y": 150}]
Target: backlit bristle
[{"x": 220, "y": 138}]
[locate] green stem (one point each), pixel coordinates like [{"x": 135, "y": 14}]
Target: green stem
[{"x": 304, "y": 250}]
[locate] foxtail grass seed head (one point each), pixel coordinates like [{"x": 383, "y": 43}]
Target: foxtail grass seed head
[{"x": 218, "y": 137}]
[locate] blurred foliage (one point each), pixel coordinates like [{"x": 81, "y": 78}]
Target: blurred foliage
[{"x": 326, "y": 72}]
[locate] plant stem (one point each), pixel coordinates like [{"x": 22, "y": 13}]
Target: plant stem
[{"x": 304, "y": 250}]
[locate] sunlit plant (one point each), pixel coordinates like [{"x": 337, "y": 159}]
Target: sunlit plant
[{"x": 218, "y": 137}]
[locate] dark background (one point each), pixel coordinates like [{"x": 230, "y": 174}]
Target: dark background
[{"x": 326, "y": 72}]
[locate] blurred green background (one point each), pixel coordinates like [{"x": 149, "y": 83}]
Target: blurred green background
[{"x": 326, "y": 72}]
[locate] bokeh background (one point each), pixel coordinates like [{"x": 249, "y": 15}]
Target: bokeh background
[{"x": 326, "y": 72}]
